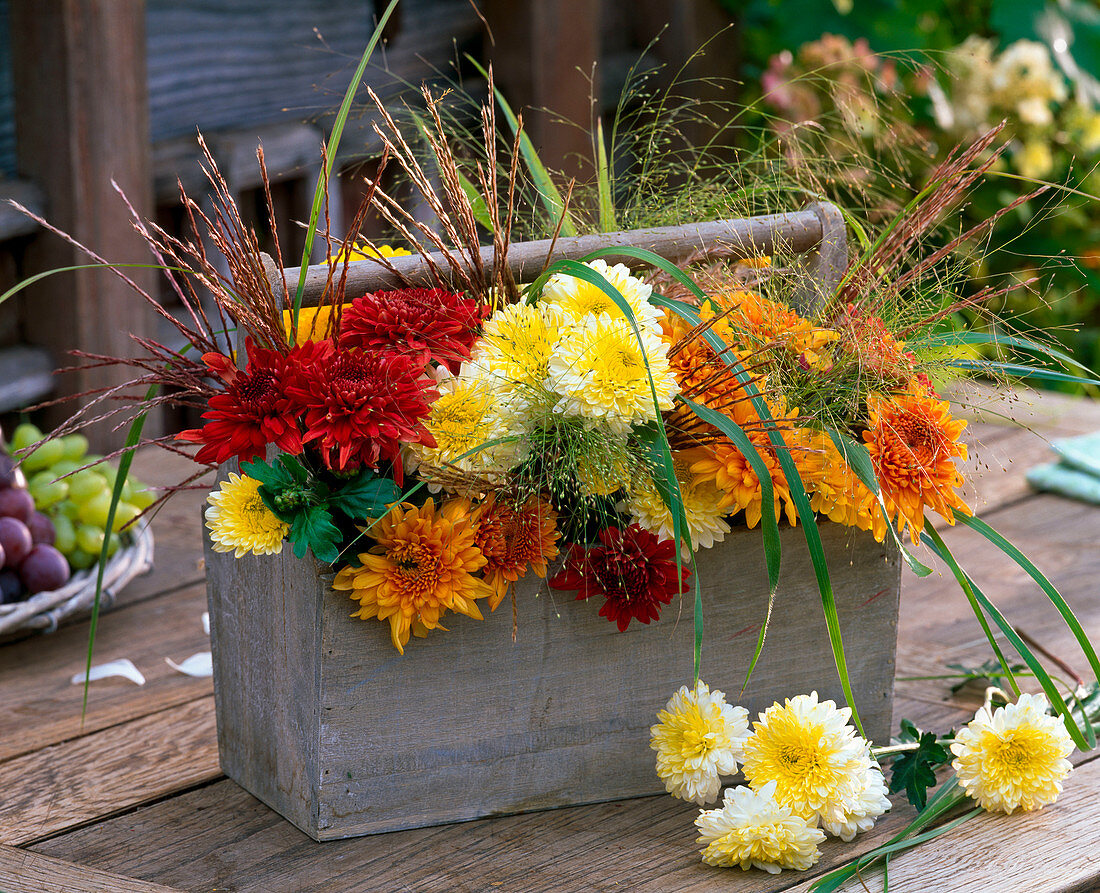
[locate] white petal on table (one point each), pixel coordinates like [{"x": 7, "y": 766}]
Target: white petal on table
[
  {"x": 206, "y": 622},
  {"x": 198, "y": 665},
  {"x": 123, "y": 667}
]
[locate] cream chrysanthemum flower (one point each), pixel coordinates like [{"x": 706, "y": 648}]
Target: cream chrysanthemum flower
[
  {"x": 817, "y": 760},
  {"x": 703, "y": 505},
  {"x": 871, "y": 802},
  {"x": 754, "y": 830},
  {"x": 516, "y": 345},
  {"x": 239, "y": 522},
  {"x": 578, "y": 299},
  {"x": 698, "y": 738},
  {"x": 468, "y": 414},
  {"x": 1014, "y": 757},
  {"x": 599, "y": 370}
]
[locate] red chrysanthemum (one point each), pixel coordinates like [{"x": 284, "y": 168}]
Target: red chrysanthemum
[
  {"x": 253, "y": 411},
  {"x": 423, "y": 323},
  {"x": 360, "y": 406},
  {"x": 633, "y": 570}
]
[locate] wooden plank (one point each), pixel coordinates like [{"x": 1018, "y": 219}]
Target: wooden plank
[
  {"x": 220, "y": 837},
  {"x": 1052, "y": 850},
  {"x": 81, "y": 112},
  {"x": 26, "y": 376},
  {"x": 38, "y": 695},
  {"x": 796, "y": 232},
  {"x": 25, "y": 872},
  {"x": 107, "y": 772}
]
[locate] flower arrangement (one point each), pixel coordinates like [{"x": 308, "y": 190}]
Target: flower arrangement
[{"x": 436, "y": 441}]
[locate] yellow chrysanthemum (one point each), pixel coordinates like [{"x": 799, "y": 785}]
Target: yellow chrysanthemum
[
  {"x": 836, "y": 491},
  {"x": 239, "y": 522},
  {"x": 515, "y": 350},
  {"x": 816, "y": 760},
  {"x": 314, "y": 323},
  {"x": 913, "y": 442},
  {"x": 579, "y": 299},
  {"x": 1015, "y": 757},
  {"x": 364, "y": 251},
  {"x": 754, "y": 830},
  {"x": 599, "y": 370},
  {"x": 423, "y": 566},
  {"x": 704, "y": 504},
  {"x": 698, "y": 738},
  {"x": 467, "y": 415}
]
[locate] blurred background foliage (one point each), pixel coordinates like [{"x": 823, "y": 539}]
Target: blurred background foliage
[{"x": 885, "y": 89}]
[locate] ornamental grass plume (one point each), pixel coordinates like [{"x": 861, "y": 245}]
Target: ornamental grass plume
[
  {"x": 239, "y": 522},
  {"x": 698, "y": 738},
  {"x": 754, "y": 830},
  {"x": 1014, "y": 757}
]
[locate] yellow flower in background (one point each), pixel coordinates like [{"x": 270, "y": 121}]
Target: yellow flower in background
[
  {"x": 698, "y": 738},
  {"x": 579, "y": 299},
  {"x": 1034, "y": 159},
  {"x": 314, "y": 323},
  {"x": 599, "y": 369},
  {"x": 239, "y": 522},
  {"x": 815, "y": 758},
  {"x": 422, "y": 567},
  {"x": 1014, "y": 757},
  {"x": 754, "y": 830},
  {"x": 364, "y": 251}
]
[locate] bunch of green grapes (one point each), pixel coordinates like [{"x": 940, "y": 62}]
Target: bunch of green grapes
[{"x": 77, "y": 504}]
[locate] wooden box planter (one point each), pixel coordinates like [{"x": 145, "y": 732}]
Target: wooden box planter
[{"x": 320, "y": 717}]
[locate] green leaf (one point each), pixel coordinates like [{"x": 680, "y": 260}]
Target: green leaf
[
  {"x": 1015, "y": 370},
  {"x": 915, "y": 771},
  {"x": 988, "y": 671},
  {"x": 1048, "y": 588},
  {"x": 608, "y": 223},
  {"x": 367, "y": 496},
  {"x": 273, "y": 478},
  {"x": 936, "y": 543},
  {"x": 313, "y": 528}
]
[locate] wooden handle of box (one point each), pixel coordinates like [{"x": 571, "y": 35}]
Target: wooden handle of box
[{"x": 819, "y": 229}]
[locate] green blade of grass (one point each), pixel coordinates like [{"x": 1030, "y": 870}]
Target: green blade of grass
[
  {"x": 1025, "y": 344},
  {"x": 604, "y": 190},
  {"x": 936, "y": 543},
  {"x": 331, "y": 147},
  {"x": 1016, "y": 370},
  {"x": 1048, "y": 588},
  {"x": 543, "y": 182}
]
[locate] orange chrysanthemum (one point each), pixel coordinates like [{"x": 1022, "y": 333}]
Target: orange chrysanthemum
[
  {"x": 759, "y": 322},
  {"x": 727, "y": 468},
  {"x": 913, "y": 442},
  {"x": 836, "y": 491},
  {"x": 423, "y": 566},
  {"x": 514, "y": 540}
]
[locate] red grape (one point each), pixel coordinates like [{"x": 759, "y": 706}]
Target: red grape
[
  {"x": 16, "y": 503},
  {"x": 11, "y": 587},
  {"x": 42, "y": 529},
  {"x": 44, "y": 569},
  {"x": 15, "y": 540},
  {"x": 7, "y": 471}
]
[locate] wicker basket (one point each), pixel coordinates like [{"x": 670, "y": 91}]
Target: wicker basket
[{"x": 44, "y": 612}]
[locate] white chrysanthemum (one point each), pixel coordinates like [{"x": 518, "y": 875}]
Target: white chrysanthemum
[
  {"x": 817, "y": 760},
  {"x": 578, "y": 299},
  {"x": 1024, "y": 78},
  {"x": 599, "y": 370},
  {"x": 698, "y": 738},
  {"x": 468, "y": 414},
  {"x": 871, "y": 802},
  {"x": 754, "y": 830},
  {"x": 1015, "y": 757},
  {"x": 516, "y": 345},
  {"x": 703, "y": 505}
]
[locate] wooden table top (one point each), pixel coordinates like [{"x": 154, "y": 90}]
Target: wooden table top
[{"x": 133, "y": 799}]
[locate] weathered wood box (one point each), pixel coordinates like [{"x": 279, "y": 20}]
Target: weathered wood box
[{"x": 320, "y": 717}]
